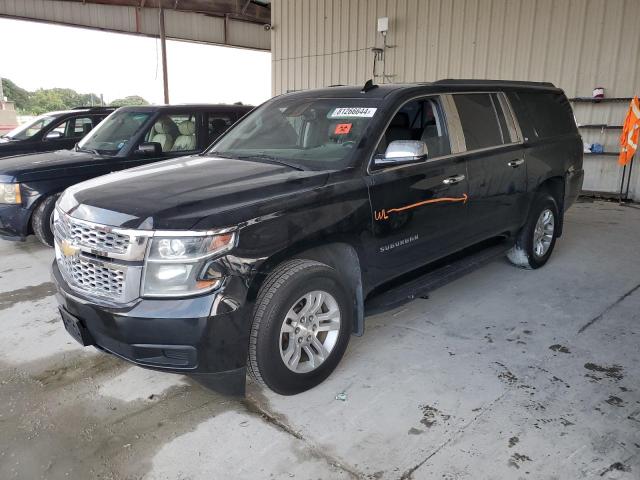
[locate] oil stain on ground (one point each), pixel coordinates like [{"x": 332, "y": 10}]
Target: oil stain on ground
[
  {"x": 56, "y": 425},
  {"x": 559, "y": 348},
  {"x": 614, "y": 371},
  {"x": 26, "y": 294},
  {"x": 517, "y": 459},
  {"x": 431, "y": 416},
  {"x": 615, "y": 401}
]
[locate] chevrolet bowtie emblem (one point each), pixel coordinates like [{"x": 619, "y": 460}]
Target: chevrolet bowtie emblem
[{"x": 68, "y": 250}]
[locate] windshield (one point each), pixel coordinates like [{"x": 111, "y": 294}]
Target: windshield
[
  {"x": 29, "y": 129},
  {"x": 302, "y": 132},
  {"x": 113, "y": 133}
]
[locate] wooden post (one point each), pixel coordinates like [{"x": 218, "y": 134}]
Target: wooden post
[{"x": 163, "y": 45}]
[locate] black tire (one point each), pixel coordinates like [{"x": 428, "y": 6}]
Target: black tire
[
  {"x": 523, "y": 254},
  {"x": 283, "y": 287},
  {"x": 41, "y": 222}
]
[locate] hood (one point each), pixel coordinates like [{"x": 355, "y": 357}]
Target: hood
[
  {"x": 34, "y": 166},
  {"x": 178, "y": 194}
]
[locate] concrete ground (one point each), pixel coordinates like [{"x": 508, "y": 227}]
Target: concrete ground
[{"x": 503, "y": 374}]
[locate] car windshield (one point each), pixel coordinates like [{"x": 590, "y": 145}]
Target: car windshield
[
  {"x": 113, "y": 133},
  {"x": 29, "y": 129},
  {"x": 316, "y": 134}
]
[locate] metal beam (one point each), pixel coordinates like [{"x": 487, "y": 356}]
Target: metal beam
[
  {"x": 129, "y": 16},
  {"x": 244, "y": 9}
]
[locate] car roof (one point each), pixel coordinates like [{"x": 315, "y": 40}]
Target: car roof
[
  {"x": 439, "y": 86},
  {"x": 58, "y": 113},
  {"x": 197, "y": 106}
]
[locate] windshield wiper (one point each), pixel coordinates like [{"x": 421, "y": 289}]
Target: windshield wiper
[{"x": 270, "y": 159}]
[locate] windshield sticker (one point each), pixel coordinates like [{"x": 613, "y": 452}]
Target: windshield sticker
[
  {"x": 343, "y": 128},
  {"x": 345, "y": 112}
]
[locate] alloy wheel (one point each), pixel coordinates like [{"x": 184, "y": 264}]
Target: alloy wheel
[
  {"x": 543, "y": 233},
  {"x": 309, "y": 331}
]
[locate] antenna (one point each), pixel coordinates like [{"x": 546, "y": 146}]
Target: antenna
[{"x": 368, "y": 86}]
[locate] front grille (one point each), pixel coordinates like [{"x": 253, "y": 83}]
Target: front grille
[
  {"x": 93, "y": 277},
  {"x": 90, "y": 236},
  {"x": 98, "y": 260}
]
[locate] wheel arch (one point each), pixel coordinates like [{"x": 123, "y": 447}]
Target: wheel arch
[
  {"x": 339, "y": 255},
  {"x": 35, "y": 203},
  {"x": 555, "y": 186}
]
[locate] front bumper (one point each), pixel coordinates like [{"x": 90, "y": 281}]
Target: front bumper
[
  {"x": 14, "y": 222},
  {"x": 205, "y": 337}
]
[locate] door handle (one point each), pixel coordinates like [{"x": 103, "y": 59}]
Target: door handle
[
  {"x": 516, "y": 163},
  {"x": 453, "y": 180}
]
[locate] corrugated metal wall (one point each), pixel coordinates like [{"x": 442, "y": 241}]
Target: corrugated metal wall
[{"x": 576, "y": 44}]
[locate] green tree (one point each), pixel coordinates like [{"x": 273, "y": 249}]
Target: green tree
[
  {"x": 129, "y": 101},
  {"x": 15, "y": 94},
  {"x": 52, "y": 99}
]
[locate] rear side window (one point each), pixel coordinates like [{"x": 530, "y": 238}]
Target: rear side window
[
  {"x": 217, "y": 124},
  {"x": 482, "y": 120},
  {"x": 550, "y": 113}
]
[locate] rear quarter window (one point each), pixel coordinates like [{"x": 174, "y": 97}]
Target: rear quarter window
[
  {"x": 482, "y": 120},
  {"x": 550, "y": 113}
]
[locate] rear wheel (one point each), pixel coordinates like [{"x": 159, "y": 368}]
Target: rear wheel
[
  {"x": 301, "y": 327},
  {"x": 535, "y": 242},
  {"x": 42, "y": 220}
]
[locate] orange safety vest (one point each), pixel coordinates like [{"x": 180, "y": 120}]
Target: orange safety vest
[{"x": 629, "y": 137}]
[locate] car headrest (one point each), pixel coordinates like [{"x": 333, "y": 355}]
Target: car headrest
[
  {"x": 187, "y": 127},
  {"x": 163, "y": 125},
  {"x": 401, "y": 120}
]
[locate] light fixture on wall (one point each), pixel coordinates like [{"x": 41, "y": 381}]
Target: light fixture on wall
[{"x": 379, "y": 54}]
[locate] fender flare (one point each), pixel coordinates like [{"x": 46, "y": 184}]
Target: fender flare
[{"x": 343, "y": 258}]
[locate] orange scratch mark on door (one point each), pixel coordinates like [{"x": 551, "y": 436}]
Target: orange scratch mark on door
[{"x": 384, "y": 214}]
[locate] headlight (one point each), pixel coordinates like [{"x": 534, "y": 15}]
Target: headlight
[
  {"x": 10, "y": 193},
  {"x": 181, "y": 265}
]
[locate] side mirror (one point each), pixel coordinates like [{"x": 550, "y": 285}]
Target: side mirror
[
  {"x": 53, "y": 135},
  {"x": 150, "y": 148},
  {"x": 403, "y": 151}
]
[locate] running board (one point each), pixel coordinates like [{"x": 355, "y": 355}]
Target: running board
[{"x": 422, "y": 285}]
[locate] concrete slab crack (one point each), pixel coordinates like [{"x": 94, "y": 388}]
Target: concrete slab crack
[
  {"x": 409, "y": 473},
  {"x": 254, "y": 407},
  {"x": 608, "y": 309}
]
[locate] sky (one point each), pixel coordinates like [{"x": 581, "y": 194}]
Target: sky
[{"x": 119, "y": 65}]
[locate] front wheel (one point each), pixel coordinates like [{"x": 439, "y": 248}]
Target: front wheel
[
  {"x": 42, "y": 220},
  {"x": 301, "y": 327},
  {"x": 536, "y": 240}
]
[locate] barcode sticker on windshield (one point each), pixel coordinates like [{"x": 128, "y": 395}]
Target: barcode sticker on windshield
[{"x": 346, "y": 112}]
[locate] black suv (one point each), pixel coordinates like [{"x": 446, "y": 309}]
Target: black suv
[
  {"x": 266, "y": 252},
  {"x": 129, "y": 137},
  {"x": 52, "y": 131}
]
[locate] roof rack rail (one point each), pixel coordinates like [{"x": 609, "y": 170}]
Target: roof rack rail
[
  {"x": 471, "y": 81},
  {"x": 94, "y": 107}
]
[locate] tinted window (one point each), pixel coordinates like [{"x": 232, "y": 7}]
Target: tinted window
[
  {"x": 217, "y": 124},
  {"x": 29, "y": 129},
  {"x": 75, "y": 127},
  {"x": 420, "y": 119},
  {"x": 304, "y": 132},
  {"x": 113, "y": 134},
  {"x": 550, "y": 113},
  {"x": 481, "y": 117}
]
